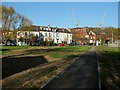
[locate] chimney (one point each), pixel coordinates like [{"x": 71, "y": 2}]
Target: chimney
[
  {"x": 40, "y": 27},
  {"x": 62, "y": 29},
  {"x": 56, "y": 29},
  {"x": 49, "y": 28},
  {"x": 69, "y": 30}
]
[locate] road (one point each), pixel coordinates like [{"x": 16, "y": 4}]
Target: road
[{"x": 83, "y": 73}]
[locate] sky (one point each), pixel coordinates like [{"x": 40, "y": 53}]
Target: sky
[{"x": 60, "y": 14}]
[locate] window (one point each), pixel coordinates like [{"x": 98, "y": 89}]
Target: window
[
  {"x": 25, "y": 33},
  {"x": 45, "y": 39},
  {"x": 67, "y": 35},
  {"x": 57, "y": 34},
  {"x": 49, "y": 34},
  {"x": 45, "y": 34},
  {"x": 90, "y": 37},
  {"x": 53, "y": 30},
  {"x": 42, "y": 39},
  {"x": 44, "y": 28},
  {"x": 53, "y": 34}
]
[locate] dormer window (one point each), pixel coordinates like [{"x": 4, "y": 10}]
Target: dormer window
[
  {"x": 41, "y": 28},
  {"x": 46, "y": 28}
]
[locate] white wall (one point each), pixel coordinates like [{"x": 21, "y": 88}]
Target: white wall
[{"x": 45, "y": 35}]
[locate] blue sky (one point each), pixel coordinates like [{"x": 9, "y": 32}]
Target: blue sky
[{"x": 60, "y": 13}]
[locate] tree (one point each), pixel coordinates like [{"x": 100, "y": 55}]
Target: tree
[
  {"x": 25, "y": 25},
  {"x": 32, "y": 37},
  {"x": 0, "y": 15},
  {"x": 12, "y": 21},
  {"x": 107, "y": 31}
]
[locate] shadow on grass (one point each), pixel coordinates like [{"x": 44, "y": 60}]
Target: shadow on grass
[
  {"x": 39, "y": 51},
  {"x": 12, "y": 65},
  {"x": 110, "y": 71},
  {"x": 4, "y": 50}
]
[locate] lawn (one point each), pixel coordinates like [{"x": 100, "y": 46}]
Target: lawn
[
  {"x": 60, "y": 52},
  {"x": 109, "y": 64},
  {"x": 36, "y": 65}
]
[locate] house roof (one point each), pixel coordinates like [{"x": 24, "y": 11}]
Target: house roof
[{"x": 50, "y": 29}]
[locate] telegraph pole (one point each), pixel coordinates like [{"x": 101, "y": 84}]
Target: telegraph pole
[{"x": 112, "y": 36}]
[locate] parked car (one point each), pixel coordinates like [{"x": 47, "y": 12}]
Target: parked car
[
  {"x": 61, "y": 44},
  {"x": 11, "y": 43},
  {"x": 36, "y": 43}
]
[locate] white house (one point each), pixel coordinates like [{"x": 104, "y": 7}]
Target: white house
[
  {"x": 47, "y": 33},
  {"x": 92, "y": 37}
]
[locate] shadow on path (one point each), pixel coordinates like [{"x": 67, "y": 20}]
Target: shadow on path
[{"x": 83, "y": 73}]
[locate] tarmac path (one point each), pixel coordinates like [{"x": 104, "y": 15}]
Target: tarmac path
[{"x": 83, "y": 73}]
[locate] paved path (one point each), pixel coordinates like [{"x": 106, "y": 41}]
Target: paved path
[{"x": 82, "y": 73}]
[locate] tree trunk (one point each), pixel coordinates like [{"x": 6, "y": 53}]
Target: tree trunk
[{"x": 29, "y": 37}]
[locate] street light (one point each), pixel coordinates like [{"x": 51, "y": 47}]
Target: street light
[
  {"x": 112, "y": 36},
  {"x": 57, "y": 37}
]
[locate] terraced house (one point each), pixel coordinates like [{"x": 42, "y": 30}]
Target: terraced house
[
  {"x": 45, "y": 33},
  {"x": 80, "y": 35}
]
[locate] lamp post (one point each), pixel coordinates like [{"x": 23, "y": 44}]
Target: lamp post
[
  {"x": 112, "y": 36},
  {"x": 39, "y": 37},
  {"x": 57, "y": 37}
]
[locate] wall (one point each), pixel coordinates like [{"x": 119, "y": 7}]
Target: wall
[{"x": 57, "y": 37}]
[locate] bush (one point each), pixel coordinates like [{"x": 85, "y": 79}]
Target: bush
[{"x": 50, "y": 43}]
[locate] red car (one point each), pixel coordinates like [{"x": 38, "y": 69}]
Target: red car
[{"x": 61, "y": 44}]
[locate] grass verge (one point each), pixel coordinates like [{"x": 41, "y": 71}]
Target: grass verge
[{"x": 109, "y": 64}]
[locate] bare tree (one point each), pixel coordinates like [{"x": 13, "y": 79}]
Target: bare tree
[{"x": 13, "y": 21}]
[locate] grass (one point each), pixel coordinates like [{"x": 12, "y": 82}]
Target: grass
[
  {"x": 64, "y": 52},
  {"x": 55, "y": 58},
  {"x": 61, "y": 52},
  {"x": 109, "y": 64}
]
